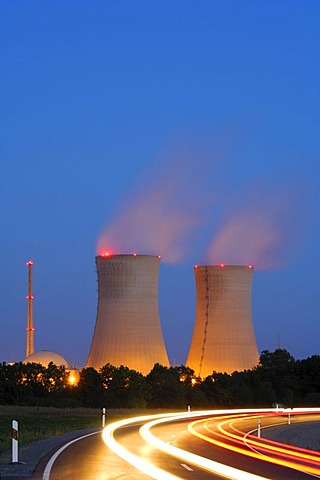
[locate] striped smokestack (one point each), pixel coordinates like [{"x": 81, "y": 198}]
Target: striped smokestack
[{"x": 30, "y": 328}]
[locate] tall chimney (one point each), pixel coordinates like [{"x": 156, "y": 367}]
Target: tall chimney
[{"x": 30, "y": 329}]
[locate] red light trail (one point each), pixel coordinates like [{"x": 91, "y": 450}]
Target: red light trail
[{"x": 220, "y": 434}]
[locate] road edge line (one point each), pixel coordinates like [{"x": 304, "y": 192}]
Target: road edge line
[{"x": 47, "y": 470}]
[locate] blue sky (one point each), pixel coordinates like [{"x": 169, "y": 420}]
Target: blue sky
[{"x": 203, "y": 113}]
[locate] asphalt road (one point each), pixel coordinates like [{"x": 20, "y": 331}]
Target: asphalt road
[{"x": 90, "y": 458}]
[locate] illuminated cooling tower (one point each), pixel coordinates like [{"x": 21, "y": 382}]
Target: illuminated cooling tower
[
  {"x": 223, "y": 338},
  {"x": 128, "y": 330}
]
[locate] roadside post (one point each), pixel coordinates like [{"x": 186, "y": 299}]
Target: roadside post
[
  {"x": 103, "y": 417},
  {"x": 15, "y": 430},
  {"x": 289, "y": 418},
  {"x": 188, "y": 411},
  {"x": 259, "y": 428}
]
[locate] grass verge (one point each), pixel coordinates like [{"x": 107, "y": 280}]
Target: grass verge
[{"x": 36, "y": 423}]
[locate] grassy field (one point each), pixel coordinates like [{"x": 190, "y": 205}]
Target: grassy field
[{"x": 36, "y": 423}]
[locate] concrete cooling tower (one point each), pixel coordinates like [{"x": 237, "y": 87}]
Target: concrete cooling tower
[
  {"x": 223, "y": 338},
  {"x": 128, "y": 330}
]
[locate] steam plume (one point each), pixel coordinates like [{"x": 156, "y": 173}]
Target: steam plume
[
  {"x": 262, "y": 231},
  {"x": 188, "y": 188},
  {"x": 161, "y": 217}
]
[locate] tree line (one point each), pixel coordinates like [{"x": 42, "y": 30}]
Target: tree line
[{"x": 278, "y": 379}]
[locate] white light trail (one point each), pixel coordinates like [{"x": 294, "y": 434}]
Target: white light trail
[
  {"x": 150, "y": 421},
  {"x": 143, "y": 465},
  {"x": 200, "y": 462},
  {"x": 137, "y": 462}
]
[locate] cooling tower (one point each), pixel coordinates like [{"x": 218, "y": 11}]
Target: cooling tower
[
  {"x": 128, "y": 330},
  {"x": 223, "y": 338}
]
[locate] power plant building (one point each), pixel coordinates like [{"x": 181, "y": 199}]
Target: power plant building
[
  {"x": 223, "y": 338},
  {"x": 44, "y": 357},
  {"x": 127, "y": 330}
]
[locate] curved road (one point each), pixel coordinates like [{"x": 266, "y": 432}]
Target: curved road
[{"x": 216, "y": 438}]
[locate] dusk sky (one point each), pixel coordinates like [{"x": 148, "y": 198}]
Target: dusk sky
[{"x": 187, "y": 129}]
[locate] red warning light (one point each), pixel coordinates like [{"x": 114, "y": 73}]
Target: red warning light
[
  {"x": 29, "y": 263},
  {"x": 106, "y": 254},
  {"x": 30, "y": 297},
  {"x": 134, "y": 254},
  {"x": 159, "y": 256},
  {"x": 221, "y": 264},
  {"x": 250, "y": 266}
]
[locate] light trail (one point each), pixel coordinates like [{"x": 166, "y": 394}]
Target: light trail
[
  {"x": 271, "y": 445},
  {"x": 285, "y": 456},
  {"x": 214, "y": 467},
  {"x": 205, "y": 463},
  {"x": 137, "y": 462},
  {"x": 156, "y": 473}
]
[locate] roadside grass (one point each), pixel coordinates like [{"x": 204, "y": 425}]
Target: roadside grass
[{"x": 36, "y": 423}]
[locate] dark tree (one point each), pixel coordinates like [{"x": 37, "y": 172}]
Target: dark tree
[
  {"x": 125, "y": 388},
  {"x": 90, "y": 389},
  {"x": 308, "y": 375},
  {"x": 278, "y": 368},
  {"x": 167, "y": 390},
  {"x": 9, "y": 387}
]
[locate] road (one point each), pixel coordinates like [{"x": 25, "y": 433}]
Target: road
[{"x": 185, "y": 448}]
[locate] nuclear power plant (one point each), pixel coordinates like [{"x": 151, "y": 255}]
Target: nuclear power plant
[
  {"x": 127, "y": 330},
  {"x": 223, "y": 337}
]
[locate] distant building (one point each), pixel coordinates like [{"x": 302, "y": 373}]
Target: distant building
[{"x": 44, "y": 357}]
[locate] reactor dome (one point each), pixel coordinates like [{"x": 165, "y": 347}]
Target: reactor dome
[{"x": 44, "y": 357}]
